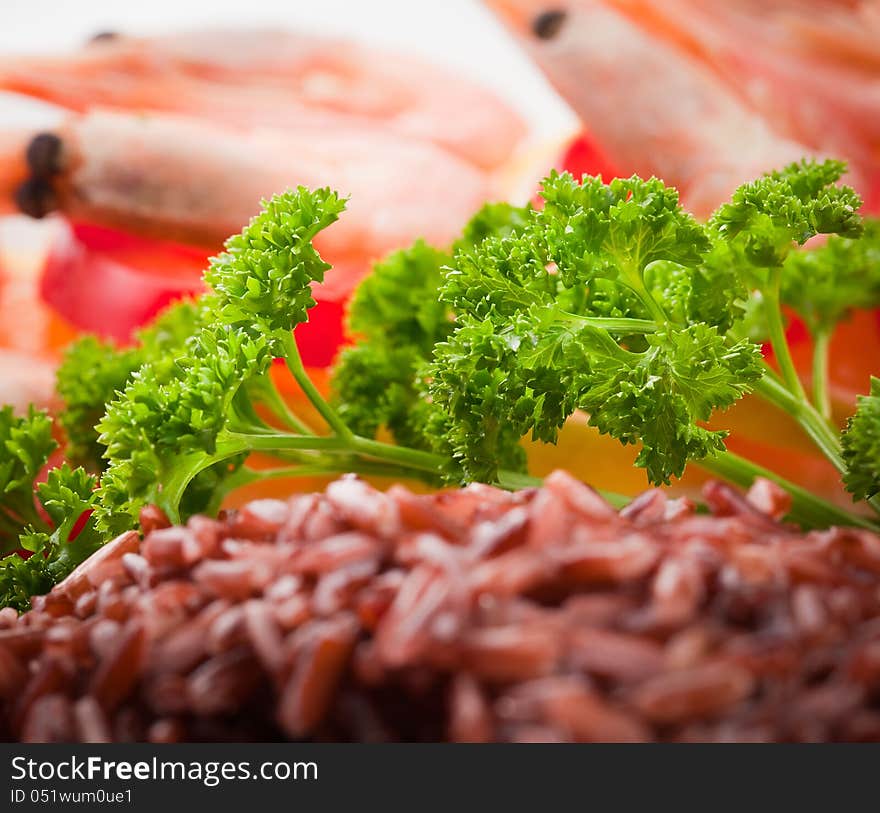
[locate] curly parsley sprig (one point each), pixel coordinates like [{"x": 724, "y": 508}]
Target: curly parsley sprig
[
  {"x": 56, "y": 538},
  {"x": 612, "y": 300},
  {"x": 609, "y": 299}
]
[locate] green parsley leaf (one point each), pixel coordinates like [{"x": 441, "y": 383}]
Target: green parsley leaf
[
  {"x": 771, "y": 215},
  {"x": 25, "y": 445},
  {"x": 861, "y": 446},
  {"x": 93, "y": 372},
  {"x": 824, "y": 285}
]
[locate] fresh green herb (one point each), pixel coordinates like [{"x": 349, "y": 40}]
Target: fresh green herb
[
  {"x": 612, "y": 300},
  {"x": 861, "y": 446},
  {"x": 398, "y": 318},
  {"x": 608, "y": 299},
  {"x": 179, "y": 438},
  {"x": 94, "y": 371},
  {"x": 824, "y": 286},
  {"x": 48, "y": 536},
  {"x": 530, "y": 347},
  {"x": 25, "y": 446}
]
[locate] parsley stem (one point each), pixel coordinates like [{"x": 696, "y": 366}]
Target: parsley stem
[
  {"x": 633, "y": 279},
  {"x": 186, "y": 468},
  {"x": 273, "y": 400},
  {"x": 333, "y": 468},
  {"x": 821, "y": 398},
  {"x": 613, "y": 325},
  {"x": 294, "y": 364},
  {"x": 803, "y": 412},
  {"x": 516, "y": 481},
  {"x": 806, "y": 508},
  {"x": 649, "y": 302},
  {"x": 776, "y": 329},
  {"x": 236, "y": 442},
  {"x": 229, "y": 444},
  {"x": 399, "y": 460},
  {"x": 411, "y": 458}
]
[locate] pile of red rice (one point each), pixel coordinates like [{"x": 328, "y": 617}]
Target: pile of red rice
[{"x": 467, "y": 615}]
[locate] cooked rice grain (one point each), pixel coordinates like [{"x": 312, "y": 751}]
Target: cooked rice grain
[{"x": 472, "y": 615}]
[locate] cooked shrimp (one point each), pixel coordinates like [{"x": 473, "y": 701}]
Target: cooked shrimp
[
  {"x": 810, "y": 67},
  {"x": 197, "y": 182},
  {"x": 654, "y": 108},
  {"x": 277, "y": 79}
]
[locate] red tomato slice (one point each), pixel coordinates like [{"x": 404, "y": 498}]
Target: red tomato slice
[
  {"x": 110, "y": 283},
  {"x": 584, "y": 157}
]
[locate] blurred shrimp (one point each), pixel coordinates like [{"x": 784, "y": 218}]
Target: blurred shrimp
[
  {"x": 276, "y": 79},
  {"x": 196, "y": 182},
  {"x": 179, "y": 137},
  {"x": 810, "y": 67},
  {"x": 654, "y": 107}
]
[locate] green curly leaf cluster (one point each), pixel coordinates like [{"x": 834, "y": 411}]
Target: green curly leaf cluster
[
  {"x": 167, "y": 433},
  {"x": 262, "y": 282},
  {"x": 771, "y": 215},
  {"x": 25, "y": 445},
  {"x": 530, "y": 346},
  {"x": 399, "y": 318},
  {"x": 861, "y": 446},
  {"x": 93, "y": 372},
  {"x": 608, "y": 299},
  {"x": 52, "y": 548},
  {"x": 824, "y": 285}
]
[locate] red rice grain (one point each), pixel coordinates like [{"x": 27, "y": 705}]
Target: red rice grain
[{"x": 472, "y": 615}]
